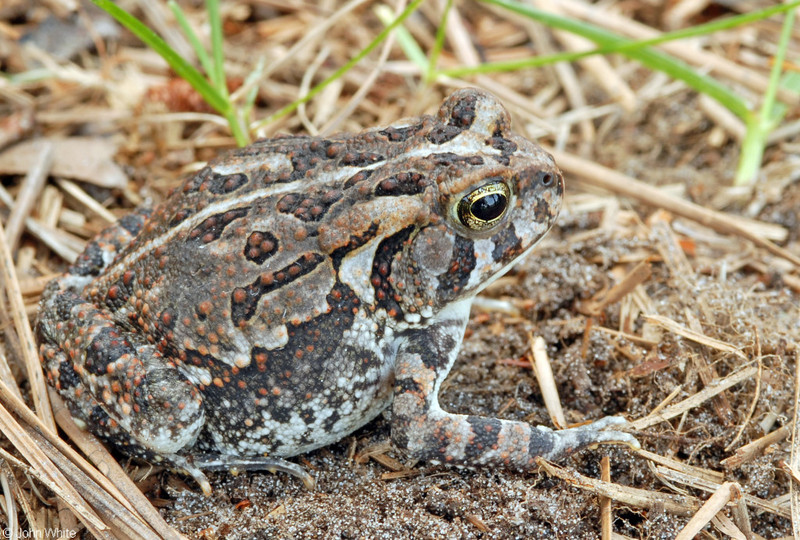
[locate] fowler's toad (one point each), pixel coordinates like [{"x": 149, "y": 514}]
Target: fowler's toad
[{"x": 292, "y": 290}]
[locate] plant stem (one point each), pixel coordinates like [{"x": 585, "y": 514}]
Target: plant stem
[{"x": 761, "y": 124}]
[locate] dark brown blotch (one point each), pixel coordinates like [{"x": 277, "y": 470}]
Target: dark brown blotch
[
  {"x": 462, "y": 114},
  {"x": 385, "y": 295},
  {"x": 506, "y": 147},
  {"x": 361, "y": 159},
  {"x": 443, "y": 134},
  {"x": 357, "y": 178},
  {"x": 212, "y": 227},
  {"x": 180, "y": 216},
  {"x": 455, "y": 160},
  {"x": 485, "y": 436},
  {"x": 244, "y": 300},
  {"x": 133, "y": 223},
  {"x": 462, "y": 263},
  {"x": 67, "y": 376},
  {"x": 507, "y": 244},
  {"x": 308, "y": 155},
  {"x": 64, "y": 303},
  {"x": 91, "y": 262},
  {"x": 403, "y": 183},
  {"x": 193, "y": 183},
  {"x": 308, "y": 207},
  {"x": 401, "y": 134},
  {"x": 355, "y": 242},
  {"x": 261, "y": 245},
  {"x": 221, "y": 184}
]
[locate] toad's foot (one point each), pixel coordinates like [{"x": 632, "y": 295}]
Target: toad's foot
[
  {"x": 234, "y": 464},
  {"x": 555, "y": 444}
]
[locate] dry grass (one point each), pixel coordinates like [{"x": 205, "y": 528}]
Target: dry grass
[{"x": 677, "y": 294}]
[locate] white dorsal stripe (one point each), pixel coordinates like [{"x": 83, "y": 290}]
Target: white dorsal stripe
[{"x": 459, "y": 145}]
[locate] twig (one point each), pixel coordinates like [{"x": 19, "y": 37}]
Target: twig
[
  {"x": 89, "y": 202},
  {"x": 366, "y": 86},
  {"x": 699, "y": 483},
  {"x": 31, "y": 187},
  {"x": 695, "y": 400},
  {"x": 76, "y": 480},
  {"x": 622, "y": 184},
  {"x": 313, "y": 34},
  {"x": 65, "y": 245},
  {"x": 638, "y": 275},
  {"x": 726, "y": 492},
  {"x": 680, "y": 505},
  {"x": 691, "y": 335},
  {"x": 756, "y": 393},
  {"x": 23, "y": 329},
  {"x": 672, "y": 463},
  {"x": 47, "y": 471},
  {"x": 605, "y": 502},
  {"x": 10, "y": 507},
  {"x": 544, "y": 375},
  {"x": 794, "y": 490}
]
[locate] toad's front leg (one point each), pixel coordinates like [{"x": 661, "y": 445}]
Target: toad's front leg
[{"x": 425, "y": 431}]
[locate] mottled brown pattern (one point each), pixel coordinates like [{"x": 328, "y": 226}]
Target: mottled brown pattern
[{"x": 294, "y": 289}]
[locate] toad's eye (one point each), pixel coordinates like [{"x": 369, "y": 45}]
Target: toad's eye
[{"x": 483, "y": 207}]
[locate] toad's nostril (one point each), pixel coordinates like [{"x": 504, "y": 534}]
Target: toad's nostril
[{"x": 547, "y": 179}]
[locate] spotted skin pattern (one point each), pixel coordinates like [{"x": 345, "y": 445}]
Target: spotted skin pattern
[{"x": 291, "y": 290}]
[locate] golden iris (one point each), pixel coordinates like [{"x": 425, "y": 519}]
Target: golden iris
[{"x": 483, "y": 207}]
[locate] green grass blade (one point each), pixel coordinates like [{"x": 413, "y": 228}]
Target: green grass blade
[
  {"x": 713, "y": 26},
  {"x": 439, "y": 44},
  {"x": 183, "y": 68},
  {"x": 768, "y": 104},
  {"x": 217, "y": 74},
  {"x": 190, "y": 34},
  {"x": 345, "y": 68},
  {"x": 252, "y": 83},
  {"x": 404, "y": 38}
]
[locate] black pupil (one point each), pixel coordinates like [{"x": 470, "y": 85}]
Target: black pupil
[{"x": 489, "y": 207}]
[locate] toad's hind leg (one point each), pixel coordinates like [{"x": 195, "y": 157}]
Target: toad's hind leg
[
  {"x": 122, "y": 388},
  {"x": 426, "y": 432},
  {"x": 119, "y": 385}
]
